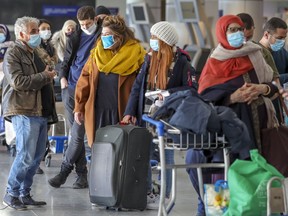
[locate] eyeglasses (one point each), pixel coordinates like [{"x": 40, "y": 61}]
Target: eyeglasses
[{"x": 235, "y": 29}]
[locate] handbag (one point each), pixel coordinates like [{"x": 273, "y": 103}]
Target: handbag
[
  {"x": 248, "y": 185},
  {"x": 274, "y": 142}
]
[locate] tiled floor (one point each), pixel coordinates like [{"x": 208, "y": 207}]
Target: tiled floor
[{"x": 68, "y": 201}]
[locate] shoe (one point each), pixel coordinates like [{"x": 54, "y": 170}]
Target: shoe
[
  {"x": 58, "y": 180},
  {"x": 152, "y": 201},
  {"x": 13, "y": 202},
  {"x": 27, "y": 200},
  {"x": 81, "y": 182},
  {"x": 39, "y": 171}
]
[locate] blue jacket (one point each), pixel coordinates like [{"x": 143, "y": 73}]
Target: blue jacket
[{"x": 183, "y": 77}]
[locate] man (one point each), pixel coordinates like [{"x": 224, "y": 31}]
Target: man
[
  {"x": 248, "y": 25},
  {"x": 248, "y": 34},
  {"x": 275, "y": 32},
  {"x": 77, "y": 52},
  {"x": 27, "y": 81}
]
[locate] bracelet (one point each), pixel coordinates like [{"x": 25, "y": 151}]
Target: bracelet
[{"x": 268, "y": 91}]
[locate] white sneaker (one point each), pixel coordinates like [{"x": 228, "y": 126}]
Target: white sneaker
[{"x": 153, "y": 201}]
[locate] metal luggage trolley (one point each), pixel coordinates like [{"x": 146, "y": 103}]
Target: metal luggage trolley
[
  {"x": 57, "y": 142},
  {"x": 186, "y": 141}
]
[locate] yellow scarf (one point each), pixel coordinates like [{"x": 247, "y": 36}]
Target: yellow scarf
[{"x": 125, "y": 62}]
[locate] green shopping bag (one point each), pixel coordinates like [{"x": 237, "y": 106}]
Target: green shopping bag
[{"x": 247, "y": 184}]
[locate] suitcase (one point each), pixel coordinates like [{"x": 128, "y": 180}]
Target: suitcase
[{"x": 119, "y": 167}]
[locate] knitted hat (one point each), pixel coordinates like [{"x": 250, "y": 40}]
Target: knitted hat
[
  {"x": 165, "y": 32},
  {"x": 102, "y": 10}
]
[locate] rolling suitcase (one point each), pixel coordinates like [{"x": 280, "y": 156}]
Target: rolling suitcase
[{"x": 119, "y": 167}]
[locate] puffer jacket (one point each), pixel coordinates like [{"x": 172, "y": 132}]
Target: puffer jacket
[{"x": 22, "y": 83}]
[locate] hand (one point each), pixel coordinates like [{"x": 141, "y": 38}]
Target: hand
[
  {"x": 284, "y": 93},
  {"x": 79, "y": 117},
  {"x": 51, "y": 73},
  {"x": 63, "y": 83},
  {"x": 128, "y": 119},
  {"x": 247, "y": 93}
]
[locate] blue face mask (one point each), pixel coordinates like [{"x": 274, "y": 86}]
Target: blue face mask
[
  {"x": 279, "y": 43},
  {"x": 2, "y": 37},
  {"x": 236, "y": 39},
  {"x": 154, "y": 44},
  {"x": 107, "y": 41},
  {"x": 34, "y": 41}
]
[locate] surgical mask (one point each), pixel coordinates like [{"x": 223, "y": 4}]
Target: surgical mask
[
  {"x": 279, "y": 43},
  {"x": 45, "y": 34},
  {"x": 107, "y": 41},
  {"x": 2, "y": 37},
  {"x": 90, "y": 30},
  {"x": 154, "y": 44},
  {"x": 236, "y": 39},
  {"x": 34, "y": 41}
]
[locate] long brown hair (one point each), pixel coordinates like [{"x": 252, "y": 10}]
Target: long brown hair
[{"x": 160, "y": 63}]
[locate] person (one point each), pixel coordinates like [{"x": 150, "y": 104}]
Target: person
[
  {"x": 114, "y": 62},
  {"x": 166, "y": 67},
  {"x": 248, "y": 34},
  {"x": 78, "y": 48},
  {"x": 5, "y": 42},
  {"x": 236, "y": 75},
  {"x": 59, "y": 38},
  {"x": 27, "y": 81},
  {"x": 249, "y": 26},
  {"x": 275, "y": 32},
  {"x": 48, "y": 54}
]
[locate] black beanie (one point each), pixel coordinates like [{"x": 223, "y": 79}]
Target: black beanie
[{"x": 102, "y": 10}]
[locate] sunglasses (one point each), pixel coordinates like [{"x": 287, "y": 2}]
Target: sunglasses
[{"x": 235, "y": 29}]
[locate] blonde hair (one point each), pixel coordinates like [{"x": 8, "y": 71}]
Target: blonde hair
[{"x": 59, "y": 39}]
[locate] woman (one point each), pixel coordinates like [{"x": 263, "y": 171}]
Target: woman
[
  {"x": 166, "y": 67},
  {"x": 47, "y": 51},
  {"x": 103, "y": 88},
  {"x": 59, "y": 38},
  {"x": 236, "y": 75}
]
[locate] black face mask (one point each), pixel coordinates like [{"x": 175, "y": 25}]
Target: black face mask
[{"x": 68, "y": 34}]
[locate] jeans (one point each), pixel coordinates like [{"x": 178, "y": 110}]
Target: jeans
[
  {"x": 31, "y": 137},
  {"x": 197, "y": 157},
  {"x": 169, "y": 159},
  {"x": 75, "y": 152}
]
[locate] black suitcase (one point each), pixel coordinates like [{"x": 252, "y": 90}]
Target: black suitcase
[{"x": 119, "y": 167}]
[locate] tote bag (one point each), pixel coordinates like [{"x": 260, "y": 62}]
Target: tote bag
[{"x": 247, "y": 182}]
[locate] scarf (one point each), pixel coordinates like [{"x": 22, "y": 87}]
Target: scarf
[
  {"x": 125, "y": 62},
  {"x": 224, "y": 65}
]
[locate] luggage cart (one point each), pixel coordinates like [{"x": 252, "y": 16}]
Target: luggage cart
[
  {"x": 192, "y": 141},
  {"x": 277, "y": 201},
  {"x": 57, "y": 141}
]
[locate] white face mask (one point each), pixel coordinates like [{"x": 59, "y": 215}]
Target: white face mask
[
  {"x": 90, "y": 30},
  {"x": 45, "y": 34}
]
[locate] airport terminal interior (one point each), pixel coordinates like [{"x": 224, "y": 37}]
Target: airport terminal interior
[{"x": 195, "y": 22}]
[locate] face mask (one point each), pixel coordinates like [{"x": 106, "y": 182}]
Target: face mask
[
  {"x": 277, "y": 45},
  {"x": 107, "y": 41},
  {"x": 45, "y": 34},
  {"x": 34, "y": 41},
  {"x": 236, "y": 39},
  {"x": 2, "y": 37},
  {"x": 68, "y": 34},
  {"x": 90, "y": 30},
  {"x": 154, "y": 44}
]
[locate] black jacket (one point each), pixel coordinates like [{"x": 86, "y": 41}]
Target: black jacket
[{"x": 72, "y": 46}]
